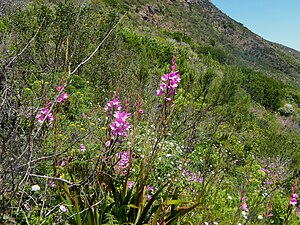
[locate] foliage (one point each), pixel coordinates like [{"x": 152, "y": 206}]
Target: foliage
[{"x": 84, "y": 139}]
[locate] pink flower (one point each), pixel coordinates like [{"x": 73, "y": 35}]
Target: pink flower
[
  {"x": 107, "y": 144},
  {"x": 243, "y": 205},
  {"x": 148, "y": 197},
  {"x": 293, "y": 199},
  {"x": 45, "y": 114},
  {"x": 149, "y": 188},
  {"x": 50, "y": 117},
  {"x": 140, "y": 111},
  {"x": 159, "y": 92},
  {"x": 113, "y": 105},
  {"x": 82, "y": 147},
  {"x": 44, "y": 111},
  {"x": 63, "y": 97},
  {"x": 165, "y": 77},
  {"x": 84, "y": 116},
  {"x": 62, "y": 163},
  {"x": 123, "y": 158},
  {"x": 59, "y": 88},
  {"x": 173, "y": 84},
  {"x": 40, "y": 117},
  {"x": 163, "y": 86},
  {"x": 129, "y": 184},
  {"x": 121, "y": 116}
]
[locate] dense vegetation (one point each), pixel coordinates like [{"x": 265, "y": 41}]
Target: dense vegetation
[{"x": 110, "y": 116}]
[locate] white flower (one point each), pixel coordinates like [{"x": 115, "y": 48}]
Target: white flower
[
  {"x": 260, "y": 217},
  {"x": 35, "y": 188},
  {"x": 229, "y": 197},
  {"x": 216, "y": 223},
  {"x": 244, "y": 213},
  {"x": 63, "y": 208},
  {"x": 206, "y": 223}
]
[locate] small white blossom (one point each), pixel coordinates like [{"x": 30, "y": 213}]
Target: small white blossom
[
  {"x": 244, "y": 214},
  {"x": 35, "y": 188},
  {"x": 63, "y": 208},
  {"x": 260, "y": 217}
]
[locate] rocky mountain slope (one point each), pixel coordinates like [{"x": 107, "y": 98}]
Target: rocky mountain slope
[{"x": 207, "y": 29}]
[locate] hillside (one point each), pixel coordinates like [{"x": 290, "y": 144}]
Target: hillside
[
  {"x": 141, "y": 112},
  {"x": 206, "y": 26}
]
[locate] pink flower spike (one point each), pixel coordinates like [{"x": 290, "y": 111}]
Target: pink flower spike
[
  {"x": 59, "y": 88},
  {"x": 165, "y": 77}
]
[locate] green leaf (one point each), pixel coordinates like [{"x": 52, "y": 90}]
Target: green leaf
[{"x": 177, "y": 202}]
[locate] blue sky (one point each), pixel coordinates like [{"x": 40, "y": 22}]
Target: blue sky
[{"x": 274, "y": 20}]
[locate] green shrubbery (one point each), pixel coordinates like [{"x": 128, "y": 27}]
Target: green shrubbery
[{"x": 209, "y": 149}]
